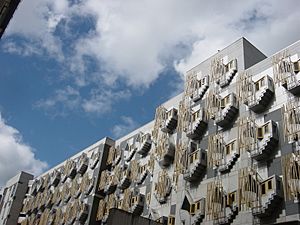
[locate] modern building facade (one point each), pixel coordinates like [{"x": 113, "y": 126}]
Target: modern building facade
[
  {"x": 12, "y": 198},
  {"x": 225, "y": 151},
  {"x": 7, "y": 10}
]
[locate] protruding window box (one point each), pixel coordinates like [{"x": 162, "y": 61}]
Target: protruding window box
[
  {"x": 125, "y": 180},
  {"x": 83, "y": 213},
  {"x": 290, "y": 76},
  {"x": 40, "y": 185},
  {"x": 169, "y": 154},
  {"x": 170, "y": 122},
  {"x": 231, "y": 209},
  {"x": 90, "y": 186},
  {"x": 131, "y": 152},
  {"x": 48, "y": 201},
  {"x": 143, "y": 172},
  {"x": 69, "y": 170},
  {"x": 137, "y": 204},
  {"x": 198, "y": 125},
  {"x": 66, "y": 193},
  {"x": 229, "y": 108},
  {"x": 111, "y": 184},
  {"x": 202, "y": 86},
  {"x": 145, "y": 143},
  {"x": 33, "y": 189},
  {"x": 197, "y": 211},
  {"x": 94, "y": 159},
  {"x": 103, "y": 181},
  {"x": 55, "y": 178},
  {"x": 231, "y": 157},
  {"x": 267, "y": 136},
  {"x": 83, "y": 163},
  {"x": 117, "y": 158},
  {"x": 197, "y": 162},
  {"x": 271, "y": 193},
  {"x": 229, "y": 71},
  {"x": 263, "y": 94},
  {"x": 163, "y": 187}
]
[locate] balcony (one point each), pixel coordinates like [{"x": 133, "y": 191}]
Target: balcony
[
  {"x": 198, "y": 125},
  {"x": 268, "y": 138},
  {"x": 202, "y": 86},
  {"x": 229, "y": 108},
  {"x": 83, "y": 163},
  {"x": 229, "y": 72},
  {"x": 137, "y": 204},
  {"x": 231, "y": 157},
  {"x": 263, "y": 95},
  {"x": 197, "y": 211},
  {"x": 271, "y": 195},
  {"x": 197, "y": 161},
  {"x": 170, "y": 122}
]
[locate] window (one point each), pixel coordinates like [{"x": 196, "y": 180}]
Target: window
[
  {"x": 296, "y": 66},
  {"x": 228, "y": 149},
  {"x": 171, "y": 220},
  {"x": 197, "y": 206},
  {"x": 222, "y": 105},
  {"x": 270, "y": 185},
  {"x": 266, "y": 128},
  {"x": 231, "y": 198},
  {"x": 175, "y": 178},
  {"x": 259, "y": 133},
  {"x": 119, "y": 205},
  {"x": 259, "y": 84},
  {"x": 232, "y": 64},
  {"x": 263, "y": 188},
  {"x": 134, "y": 200},
  {"x": 148, "y": 198},
  {"x": 193, "y": 147},
  {"x": 193, "y": 157},
  {"x": 192, "y": 209},
  {"x": 195, "y": 115},
  {"x": 203, "y": 155},
  {"x": 257, "y": 87}
]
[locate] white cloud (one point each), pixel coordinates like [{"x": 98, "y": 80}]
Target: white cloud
[
  {"x": 15, "y": 154},
  {"x": 102, "y": 101},
  {"x": 134, "y": 41},
  {"x": 128, "y": 125},
  {"x": 69, "y": 99}
]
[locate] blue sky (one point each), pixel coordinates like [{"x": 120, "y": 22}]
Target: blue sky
[{"x": 75, "y": 71}]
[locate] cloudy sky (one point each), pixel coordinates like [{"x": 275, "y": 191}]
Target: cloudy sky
[{"x": 75, "y": 71}]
